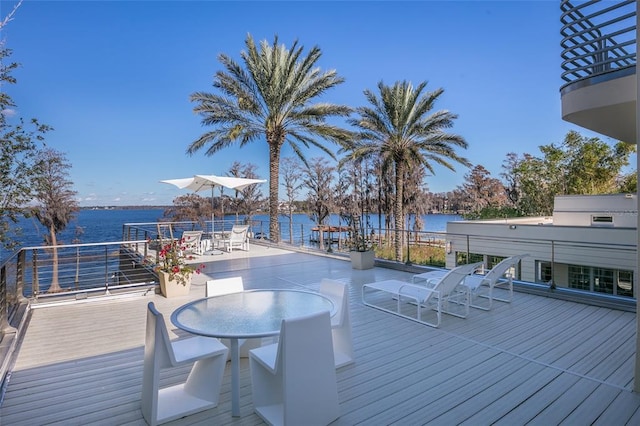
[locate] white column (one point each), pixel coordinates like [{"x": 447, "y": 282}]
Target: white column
[{"x": 636, "y": 376}]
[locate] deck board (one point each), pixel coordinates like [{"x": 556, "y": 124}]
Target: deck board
[{"x": 537, "y": 360}]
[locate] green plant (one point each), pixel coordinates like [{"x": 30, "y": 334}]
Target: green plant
[
  {"x": 171, "y": 259},
  {"x": 359, "y": 240}
]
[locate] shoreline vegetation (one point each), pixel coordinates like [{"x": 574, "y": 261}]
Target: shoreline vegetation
[{"x": 158, "y": 207}]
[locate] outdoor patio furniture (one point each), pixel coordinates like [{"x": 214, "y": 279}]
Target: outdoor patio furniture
[
  {"x": 438, "y": 294},
  {"x": 249, "y": 314},
  {"x": 191, "y": 242},
  {"x": 294, "y": 381},
  {"x": 237, "y": 238},
  {"x": 338, "y": 292},
  {"x": 202, "y": 387},
  {"x": 221, "y": 286},
  {"x": 500, "y": 276}
]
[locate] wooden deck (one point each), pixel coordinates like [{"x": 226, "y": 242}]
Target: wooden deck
[{"x": 534, "y": 361}]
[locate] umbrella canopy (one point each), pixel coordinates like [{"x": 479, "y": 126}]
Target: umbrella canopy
[{"x": 203, "y": 182}]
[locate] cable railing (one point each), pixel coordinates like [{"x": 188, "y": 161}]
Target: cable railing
[
  {"x": 597, "y": 38},
  {"x": 34, "y": 274},
  {"x": 111, "y": 268}
]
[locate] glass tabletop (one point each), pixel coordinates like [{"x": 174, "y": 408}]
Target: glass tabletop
[{"x": 252, "y": 313}]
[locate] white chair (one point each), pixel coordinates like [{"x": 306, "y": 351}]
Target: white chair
[
  {"x": 237, "y": 238},
  {"x": 438, "y": 294},
  {"x": 294, "y": 381},
  {"x": 222, "y": 286},
  {"x": 190, "y": 242},
  {"x": 338, "y": 292},
  {"x": 201, "y": 390},
  {"x": 500, "y": 276}
]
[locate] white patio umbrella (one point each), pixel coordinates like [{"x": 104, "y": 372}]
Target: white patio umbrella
[{"x": 200, "y": 183}]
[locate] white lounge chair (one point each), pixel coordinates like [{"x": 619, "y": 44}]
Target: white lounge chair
[
  {"x": 200, "y": 392},
  {"x": 338, "y": 292},
  {"x": 294, "y": 381},
  {"x": 237, "y": 238},
  {"x": 438, "y": 294},
  {"x": 222, "y": 286},
  {"x": 500, "y": 276},
  {"x": 190, "y": 241}
]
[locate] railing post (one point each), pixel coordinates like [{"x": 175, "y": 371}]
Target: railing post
[
  {"x": 36, "y": 285},
  {"x": 106, "y": 269},
  {"x": 77, "y": 276},
  {"x": 5, "y": 327},
  {"x": 552, "y": 284},
  {"x": 146, "y": 245},
  {"x": 301, "y": 235},
  {"x": 408, "y": 262},
  {"x": 468, "y": 249},
  {"x": 20, "y": 270}
]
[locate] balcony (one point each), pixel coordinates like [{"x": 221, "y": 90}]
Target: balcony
[
  {"x": 599, "y": 67},
  {"x": 536, "y": 360}
]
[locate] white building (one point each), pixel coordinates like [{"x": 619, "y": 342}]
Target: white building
[{"x": 589, "y": 244}]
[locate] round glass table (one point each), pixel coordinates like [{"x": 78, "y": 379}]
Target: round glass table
[{"x": 243, "y": 315}]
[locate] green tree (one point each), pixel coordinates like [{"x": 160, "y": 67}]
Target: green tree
[
  {"x": 593, "y": 166},
  {"x": 19, "y": 145},
  {"x": 270, "y": 98},
  {"x": 400, "y": 127},
  {"x": 56, "y": 203},
  {"x": 578, "y": 165},
  {"x": 628, "y": 183}
]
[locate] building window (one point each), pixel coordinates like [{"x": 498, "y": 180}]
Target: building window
[
  {"x": 544, "y": 272},
  {"x": 625, "y": 283},
  {"x": 602, "y": 220},
  {"x": 579, "y": 277},
  {"x": 603, "y": 280},
  {"x": 461, "y": 258}
]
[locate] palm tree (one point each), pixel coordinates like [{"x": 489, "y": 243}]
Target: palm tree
[
  {"x": 401, "y": 129},
  {"x": 270, "y": 97}
]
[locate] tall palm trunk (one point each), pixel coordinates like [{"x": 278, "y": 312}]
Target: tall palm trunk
[
  {"x": 398, "y": 211},
  {"x": 55, "y": 285},
  {"x": 274, "y": 174}
]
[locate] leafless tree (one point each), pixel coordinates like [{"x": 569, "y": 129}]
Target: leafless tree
[
  {"x": 190, "y": 207},
  {"x": 318, "y": 177},
  {"x": 291, "y": 180},
  {"x": 248, "y": 200},
  {"x": 56, "y": 204}
]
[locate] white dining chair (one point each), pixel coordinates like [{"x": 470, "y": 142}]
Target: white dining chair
[
  {"x": 294, "y": 381},
  {"x": 220, "y": 286},
  {"x": 201, "y": 390},
  {"x": 341, "y": 333}
]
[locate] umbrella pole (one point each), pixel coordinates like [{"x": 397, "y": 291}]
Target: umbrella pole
[{"x": 213, "y": 250}]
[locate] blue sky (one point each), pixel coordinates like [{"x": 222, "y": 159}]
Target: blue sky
[{"x": 114, "y": 78}]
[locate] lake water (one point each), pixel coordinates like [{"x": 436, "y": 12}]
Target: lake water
[{"x": 100, "y": 226}]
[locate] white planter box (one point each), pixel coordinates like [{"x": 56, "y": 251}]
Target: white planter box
[{"x": 362, "y": 259}]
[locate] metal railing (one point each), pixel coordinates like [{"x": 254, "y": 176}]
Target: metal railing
[
  {"x": 597, "y": 37},
  {"x": 107, "y": 268},
  {"x": 34, "y": 272}
]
